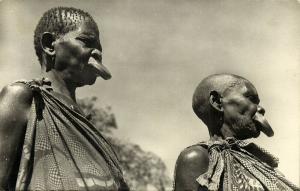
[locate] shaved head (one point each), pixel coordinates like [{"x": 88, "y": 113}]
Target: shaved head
[{"x": 217, "y": 82}]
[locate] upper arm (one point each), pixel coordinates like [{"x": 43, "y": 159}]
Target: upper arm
[
  {"x": 15, "y": 102},
  {"x": 191, "y": 163}
]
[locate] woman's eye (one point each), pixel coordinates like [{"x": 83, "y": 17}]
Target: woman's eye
[
  {"x": 253, "y": 99},
  {"x": 86, "y": 41}
]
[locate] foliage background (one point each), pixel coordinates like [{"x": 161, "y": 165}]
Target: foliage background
[{"x": 142, "y": 170}]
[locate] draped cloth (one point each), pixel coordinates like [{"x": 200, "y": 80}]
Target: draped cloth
[
  {"x": 237, "y": 165},
  {"x": 62, "y": 150}
]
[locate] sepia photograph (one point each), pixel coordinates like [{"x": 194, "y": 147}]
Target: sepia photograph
[{"x": 141, "y": 95}]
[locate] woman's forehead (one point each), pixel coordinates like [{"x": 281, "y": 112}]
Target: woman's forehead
[
  {"x": 250, "y": 87},
  {"x": 88, "y": 26},
  {"x": 246, "y": 89}
]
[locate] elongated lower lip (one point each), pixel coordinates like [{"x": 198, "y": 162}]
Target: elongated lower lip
[
  {"x": 99, "y": 68},
  {"x": 263, "y": 125}
]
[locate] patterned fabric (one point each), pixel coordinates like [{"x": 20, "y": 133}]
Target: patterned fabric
[
  {"x": 63, "y": 151},
  {"x": 237, "y": 165}
]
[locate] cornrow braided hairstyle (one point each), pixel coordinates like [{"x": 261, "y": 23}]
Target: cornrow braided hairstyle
[{"x": 59, "y": 21}]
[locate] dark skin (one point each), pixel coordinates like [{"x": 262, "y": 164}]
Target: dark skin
[
  {"x": 191, "y": 162},
  {"x": 15, "y": 102},
  {"x": 241, "y": 102},
  {"x": 76, "y": 61}
]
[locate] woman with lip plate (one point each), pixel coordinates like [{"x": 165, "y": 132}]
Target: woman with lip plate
[{"x": 46, "y": 143}]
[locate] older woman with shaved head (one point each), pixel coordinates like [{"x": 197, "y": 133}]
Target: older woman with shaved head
[
  {"x": 46, "y": 142},
  {"x": 229, "y": 106}
]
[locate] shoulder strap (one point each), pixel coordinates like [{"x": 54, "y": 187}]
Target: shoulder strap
[{"x": 37, "y": 84}]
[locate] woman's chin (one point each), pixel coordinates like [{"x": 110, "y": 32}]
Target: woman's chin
[{"x": 87, "y": 81}]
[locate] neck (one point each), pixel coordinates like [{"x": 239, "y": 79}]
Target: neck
[
  {"x": 60, "y": 85},
  {"x": 225, "y": 131}
]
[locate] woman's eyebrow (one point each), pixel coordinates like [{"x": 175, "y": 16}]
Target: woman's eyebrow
[{"x": 88, "y": 34}]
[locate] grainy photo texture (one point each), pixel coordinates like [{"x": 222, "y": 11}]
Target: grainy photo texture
[{"x": 128, "y": 110}]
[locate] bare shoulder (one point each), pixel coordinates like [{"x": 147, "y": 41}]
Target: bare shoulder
[
  {"x": 195, "y": 156},
  {"x": 191, "y": 163},
  {"x": 16, "y": 93},
  {"x": 15, "y": 103}
]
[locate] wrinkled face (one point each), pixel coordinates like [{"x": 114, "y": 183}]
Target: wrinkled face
[
  {"x": 242, "y": 112},
  {"x": 78, "y": 55}
]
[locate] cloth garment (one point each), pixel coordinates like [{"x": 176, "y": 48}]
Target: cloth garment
[
  {"x": 62, "y": 150},
  {"x": 236, "y": 165}
]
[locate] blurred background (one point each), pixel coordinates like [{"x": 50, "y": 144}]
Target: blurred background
[{"x": 158, "y": 51}]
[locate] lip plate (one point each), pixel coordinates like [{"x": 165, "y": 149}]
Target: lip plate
[{"x": 99, "y": 68}]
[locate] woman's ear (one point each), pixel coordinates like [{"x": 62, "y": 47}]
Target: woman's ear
[
  {"x": 47, "y": 42},
  {"x": 215, "y": 100}
]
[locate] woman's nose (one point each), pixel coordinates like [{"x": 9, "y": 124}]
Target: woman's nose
[
  {"x": 261, "y": 110},
  {"x": 97, "y": 54}
]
